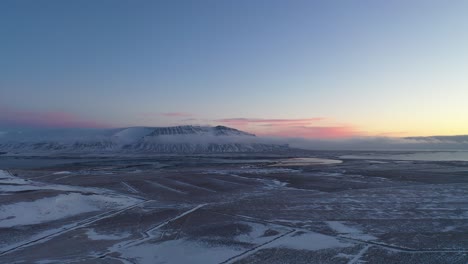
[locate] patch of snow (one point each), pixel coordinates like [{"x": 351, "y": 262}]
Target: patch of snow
[
  {"x": 449, "y": 229},
  {"x": 60, "y": 206},
  {"x": 343, "y": 255},
  {"x": 47, "y": 261},
  {"x": 252, "y": 171},
  {"x": 377, "y": 162},
  {"x": 268, "y": 171},
  {"x": 341, "y": 228},
  {"x": 290, "y": 221},
  {"x": 257, "y": 234},
  {"x": 7, "y": 178},
  {"x": 179, "y": 251},
  {"x": 10, "y": 184},
  {"x": 306, "y": 162},
  {"x": 274, "y": 184},
  {"x": 279, "y": 183},
  {"x": 4, "y": 174},
  {"x": 61, "y": 172},
  {"x": 34, "y": 237},
  {"x": 348, "y": 231},
  {"x": 91, "y": 233},
  {"x": 307, "y": 241}
]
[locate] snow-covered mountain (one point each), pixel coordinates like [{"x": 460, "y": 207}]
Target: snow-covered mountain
[
  {"x": 177, "y": 139},
  {"x": 197, "y": 130}
]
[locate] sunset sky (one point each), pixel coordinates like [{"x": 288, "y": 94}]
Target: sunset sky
[{"x": 313, "y": 69}]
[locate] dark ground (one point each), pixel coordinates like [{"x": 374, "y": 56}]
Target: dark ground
[{"x": 226, "y": 209}]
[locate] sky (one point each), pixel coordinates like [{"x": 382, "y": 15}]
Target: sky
[{"x": 312, "y": 69}]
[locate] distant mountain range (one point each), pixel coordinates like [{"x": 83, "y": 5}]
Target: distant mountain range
[{"x": 176, "y": 139}]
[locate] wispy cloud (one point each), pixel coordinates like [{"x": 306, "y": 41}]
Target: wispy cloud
[
  {"x": 46, "y": 119},
  {"x": 176, "y": 114},
  {"x": 269, "y": 122},
  {"x": 156, "y": 115},
  {"x": 324, "y": 132},
  {"x": 313, "y": 127}
]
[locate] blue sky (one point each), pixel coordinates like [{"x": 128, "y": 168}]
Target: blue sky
[{"x": 363, "y": 67}]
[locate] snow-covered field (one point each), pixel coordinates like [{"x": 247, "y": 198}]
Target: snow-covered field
[
  {"x": 58, "y": 207},
  {"x": 136, "y": 211},
  {"x": 57, "y": 204}
]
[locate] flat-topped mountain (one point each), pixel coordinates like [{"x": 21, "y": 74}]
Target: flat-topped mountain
[
  {"x": 198, "y": 130},
  {"x": 175, "y": 139}
]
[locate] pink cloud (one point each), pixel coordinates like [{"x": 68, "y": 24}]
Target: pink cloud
[
  {"x": 326, "y": 132},
  {"x": 12, "y": 117},
  {"x": 269, "y": 122},
  {"x": 301, "y": 127}
]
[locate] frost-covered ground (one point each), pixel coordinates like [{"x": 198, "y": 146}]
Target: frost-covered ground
[{"x": 235, "y": 210}]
